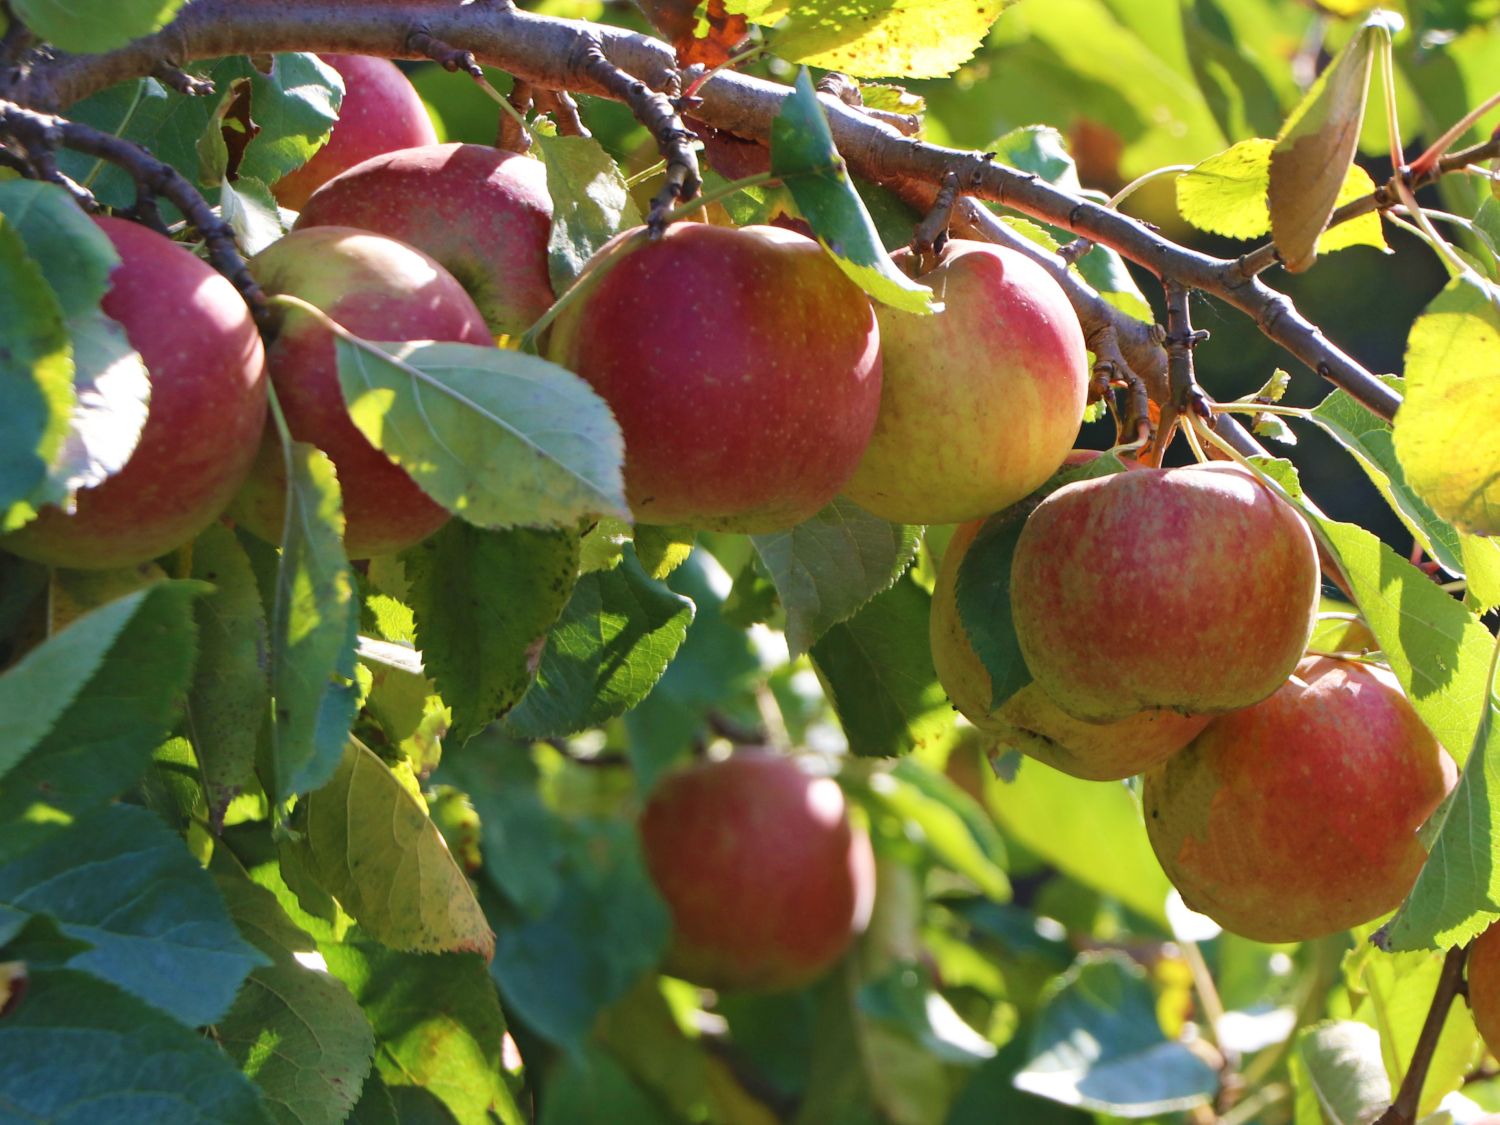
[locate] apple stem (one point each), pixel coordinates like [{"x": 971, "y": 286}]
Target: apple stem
[
  {"x": 932, "y": 231},
  {"x": 1403, "y": 1111}
]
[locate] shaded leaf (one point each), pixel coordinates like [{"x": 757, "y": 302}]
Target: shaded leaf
[
  {"x": 591, "y": 1088},
  {"x": 804, "y": 158},
  {"x": 680, "y": 22},
  {"x": 94, "y": 25},
  {"x": 500, "y": 438},
  {"x": 828, "y": 566},
  {"x": 982, "y": 594},
  {"x": 367, "y": 840},
  {"x": 616, "y": 636},
  {"x": 1336, "y": 1074},
  {"x": 251, "y": 212},
  {"x": 590, "y": 203},
  {"x": 483, "y": 602}
]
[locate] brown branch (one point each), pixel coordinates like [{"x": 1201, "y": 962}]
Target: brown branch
[
  {"x": 932, "y": 231},
  {"x": 513, "y": 136},
  {"x": 1403, "y": 1110},
  {"x": 564, "y": 110},
  {"x": 175, "y": 78}
]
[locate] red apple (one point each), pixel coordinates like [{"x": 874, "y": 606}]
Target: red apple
[
  {"x": 1298, "y": 816},
  {"x": 766, "y": 881},
  {"x": 1484, "y": 985},
  {"x": 743, "y": 366},
  {"x": 483, "y": 213},
  {"x": 1029, "y": 721},
  {"x": 208, "y": 405},
  {"x": 377, "y": 288},
  {"x": 980, "y": 402},
  {"x": 381, "y": 111},
  {"x": 1189, "y": 589}
]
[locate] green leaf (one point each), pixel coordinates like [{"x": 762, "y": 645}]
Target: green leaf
[
  {"x": 661, "y": 550},
  {"x": 500, "y": 438},
  {"x": 251, "y": 212},
  {"x": 1315, "y": 148},
  {"x": 554, "y": 971},
  {"x": 876, "y": 669},
  {"x": 438, "y": 1026},
  {"x": 367, "y": 840},
  {"x": 591, "y": 1088},
  {"x": 36, "y": 379},
  {"x": 982, "y": 593},
  {"x": 124, "y": 883},
  {"x": 81, "y": 714},
  {"x": 616, "y": 636},
  {"x": 1336, "y": 1074},
  {"x": 1448, "y": 428},
  {"x": 804, "y": 158},
  {"x": 828, "y": 566},
  {"x": 314, "y": 629},
  {"x": 74, "y": 255},
  {"x": 590, "y": 203},
  {"x": 77, "y": 1049},
  {"x": 877, "y": 38},
  {"x": 229, "y": 701},
  {"x": 1098, "y": 1045},
  {"x": 92, "y": 26},
  {"x": 295, "y": 1030},
  {"x": 1226, "y": 194},
  {"x": 484, "y": 601}
]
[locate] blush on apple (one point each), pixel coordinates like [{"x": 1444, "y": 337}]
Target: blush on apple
[
  {"x": 208, "y": 406},
  {"x": 743, "y": 366}
]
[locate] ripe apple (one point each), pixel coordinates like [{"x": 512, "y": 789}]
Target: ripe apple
[
  {"x": 380, "y": 289},
  {"x": 1484, "y": 985},
  {"x": 483, "y": 213},
  {"x": 1029, "y": 721},
  {"x": 381, "y": 111},
  {"x": 1298, "y": 816},
  {"x": 766, "y": 880},
  {"x": 743, "y": 366},
  {"x": 208, "y": 406},
  {"x": 1191, "y": 589},
  {"x": 980, "y": 402}
]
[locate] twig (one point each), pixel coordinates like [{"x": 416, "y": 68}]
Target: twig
[
  {"x": 175, "y": 78},
  {"x": 564, "y": 110},
  {"x": 16, "y": 41},
  {"x": 1403, "y": 1110},
  {"x": 450, "y": 58},
  {"x": 1184, "y": 393},
  {"x": 932, "y": 231},
  {"x": 513, "y": 134}
]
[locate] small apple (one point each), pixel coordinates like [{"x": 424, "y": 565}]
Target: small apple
[
  {"x": 766, "y": 881},
  {"x": 743, "y": 366},
  {"x": 482, "y": 212},
  {"x": 1190, "y": 589},
  {"x": 980, "y": 402},
  {"x": 1484, "y": 985},
  {"x": 381, "y": 111},
  {"x": 1298, "y": 816},
  {"x": 208, "y": 406},
  {"x": 1029, "y": 721},
  {"x": 380, "y": 289}
]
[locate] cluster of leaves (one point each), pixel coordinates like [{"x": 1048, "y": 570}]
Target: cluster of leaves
[{"x": 371, "y": 827}]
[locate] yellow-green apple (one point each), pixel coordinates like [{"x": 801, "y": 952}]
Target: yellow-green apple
[
  {"x": 1298, "y": 816},
  {"x": 1190, "y": 589},
  {"x": 482, "y": 212},
  {"x": 980, "y": 402},
  {"x": 766, "y": 880},
  {"x": 207, "y": 409},
  {"x": 1484, "y": 985},
  {"x": 380, "y": 289},
  {"x": 381, "y": 111},
  {"x": 1029, "y": 721},
  {"x": 743, "y": 366}
]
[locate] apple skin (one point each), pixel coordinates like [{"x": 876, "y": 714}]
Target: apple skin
[
  {"x": 1029, "y": 721},
  {"x": 1298, "y": 816},
  {"x": 1191, "y": 589},
  {"x": 207, "y": 410},
  {"x": 742, "y": 365},
  {"x": 380, "y": 289},
  {"x": 981, "y": 402},
  {"x": 767, "y": 882},
  {"x": 1484, "y": 985},
  {"x": 381, "y": 111},
  {"x": 483, "y": 213}
]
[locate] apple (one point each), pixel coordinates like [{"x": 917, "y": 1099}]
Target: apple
[
  {"x": 1484, "y": 985},
  {"x": 1298, "y": 816},
  {"x": 482, "y": 212},
  {"x": 208, "y": 406},
  {"x": 767, "y": 882},
  {"x": 381, "y": 111},
  {"x": 743, "y": 366},
  {"x": 1029, "y": 721},
  {"x": 1191, "y": 589},
  {"x": 380, "y": 289},
  {"x": 980, "y": 402}
]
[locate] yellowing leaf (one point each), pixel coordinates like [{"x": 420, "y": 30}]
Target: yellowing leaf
[
  {"x": 876, "y": 38},
  {"x": 1448, "y": 429},
  {"x": 1316, "y": 147},
  {"x": 1226, "y": 194}
]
